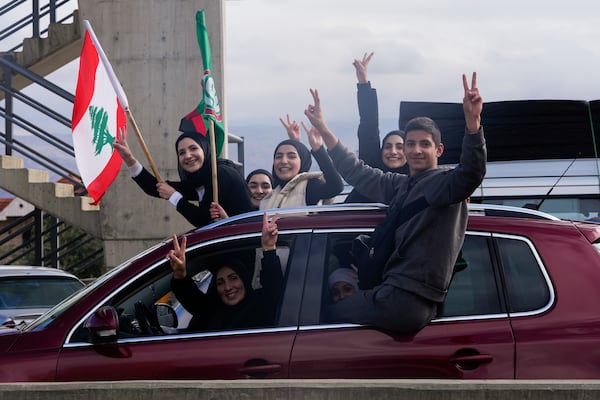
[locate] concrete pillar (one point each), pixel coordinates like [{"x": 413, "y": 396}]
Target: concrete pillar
[{"x": 152, "y": 47}]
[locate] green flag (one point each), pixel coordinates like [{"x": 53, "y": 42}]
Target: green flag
[{"x": 209, "y": 106}]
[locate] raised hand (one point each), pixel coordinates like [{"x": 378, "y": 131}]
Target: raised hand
[
  {"x": 122, "y": 147},
  {"x": 314, "y": 137},
  {"x": 315, "y": 115},
  {"x": 472, "y": 104},
  {"x": 292, "y": 128},
  {"x": 268, "y": 239},
  {"x": 361, "y": 67},
  {"x": 177, "y": 258}
]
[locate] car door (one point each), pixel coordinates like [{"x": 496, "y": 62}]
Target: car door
[
  {"x": 471, "y": 338},
  {"x": 250, "y": 353}
]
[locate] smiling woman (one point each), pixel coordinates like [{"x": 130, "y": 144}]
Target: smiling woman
[{"x": 195, "y": 172}]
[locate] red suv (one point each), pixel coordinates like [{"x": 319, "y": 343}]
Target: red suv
[{"x": 522, "y": 305}]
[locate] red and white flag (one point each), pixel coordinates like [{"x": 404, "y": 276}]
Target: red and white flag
[{"x": 98, "y": 113}]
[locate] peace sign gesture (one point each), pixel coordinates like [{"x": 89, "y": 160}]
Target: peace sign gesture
[
  {"x": 177, "y": 257},
  {"x": 472, "y": 104}
]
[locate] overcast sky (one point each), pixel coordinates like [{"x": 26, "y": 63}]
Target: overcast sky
[
  {"x": 527, "y": 49},
  {"x": 277, "y": 49}
]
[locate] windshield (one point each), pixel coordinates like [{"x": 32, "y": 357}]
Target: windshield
[{"x": 26, "y": 292}]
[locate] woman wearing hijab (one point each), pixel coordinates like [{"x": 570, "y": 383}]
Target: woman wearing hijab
[
  {"x": 231, "y": 302},
  {"x": 195, "y": 172},
  {"x": 260, "y": 184},
  {"x": 389, "y": 156},
  {"x": 293, "y": 184}
]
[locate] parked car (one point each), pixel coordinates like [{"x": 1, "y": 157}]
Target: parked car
[
  {"x": 26, "y": 292},
  {"x": 523, "y": 305}
]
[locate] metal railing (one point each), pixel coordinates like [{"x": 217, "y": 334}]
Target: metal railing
[
  {"x": 32, "y": 18},
  {"x": 42, "y": 239}
]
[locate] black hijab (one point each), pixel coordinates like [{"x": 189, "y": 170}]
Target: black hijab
[
  {"x": 403, "y": 169},
  {"x": 202, "y": 177},
  {"x": 244, "y": 314},
  {"x": 303, "y": 153}
]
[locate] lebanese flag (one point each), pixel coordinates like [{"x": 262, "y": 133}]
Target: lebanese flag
[{"x": 97, "y": 115}]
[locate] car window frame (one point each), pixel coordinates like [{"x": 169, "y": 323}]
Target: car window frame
[
  {"x": 296, "y": 269},
  {"x": 541, "y": 266},
  {"x": 311, "y": 305}
]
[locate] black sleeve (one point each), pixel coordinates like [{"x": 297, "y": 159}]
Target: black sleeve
[
  {"x": 233, "y": 191},
  {"x": 369, "y": 148},
  {"x": 147, "y": 182},
  {"x": 190, "y": 297},
  {"x": 333, "y": 185},
  {"x": 271, "y": 279},
  {"x": 197, "y": 215}
]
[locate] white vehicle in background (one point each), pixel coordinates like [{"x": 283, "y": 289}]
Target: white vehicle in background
[
  {"x": 542, "y": 154},
  {"x": 26, "y": 292}
]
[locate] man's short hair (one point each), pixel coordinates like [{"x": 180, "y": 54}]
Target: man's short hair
[{"x": 424, "y": 124}]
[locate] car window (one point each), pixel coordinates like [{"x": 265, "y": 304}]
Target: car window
[
  {"x": 136, "y": 302},
  {"x": 473, "y": 289},
  {"x": 526, "y": 284},
  {"x": 35, "y": 292}
]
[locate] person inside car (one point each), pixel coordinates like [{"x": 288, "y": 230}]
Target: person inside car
[
  {"x": 230, "y": 302},
  {"x": 402, "y": 285},
  {"x": 342, "y": 283},
  {"x": 387, "y": 156}
]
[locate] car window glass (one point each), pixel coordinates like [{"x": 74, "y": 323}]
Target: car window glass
[
  {"x": 338, "y": 256},
  {"x": 473, "y": 289},
  {"x": 525, "y": 282},
  {"x": 154, "y": 287},
  {"x": 30, "y": 292}
]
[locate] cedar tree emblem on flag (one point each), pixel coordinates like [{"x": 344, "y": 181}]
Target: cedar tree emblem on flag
[{"x": 97, "y": 115}]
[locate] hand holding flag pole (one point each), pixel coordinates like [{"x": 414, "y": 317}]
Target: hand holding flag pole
[{"x": 122, "y": 97}]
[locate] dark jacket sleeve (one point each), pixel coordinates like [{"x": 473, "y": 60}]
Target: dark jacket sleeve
[
  {"x": 190, "y": 297},
  {"x": 369, "y": 148},
  {"x": 233, "y": 191},
  {"x": 272, "y": 282},
  {"x": 233, "y": 197},
  {"x": 333, "y": 185},
  {"x": 382, "y": 187}
]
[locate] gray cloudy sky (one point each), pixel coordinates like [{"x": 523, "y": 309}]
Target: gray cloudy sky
[
  {"x": 277, "y": 49},
  {"x": 526, "y": 49}
]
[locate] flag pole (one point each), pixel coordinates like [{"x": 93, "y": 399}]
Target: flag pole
[
  {"x": 213, "y": 160},
  {"x": 143, "y": 144}
]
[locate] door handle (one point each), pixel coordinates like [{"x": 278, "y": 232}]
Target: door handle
[
  {"x": 260, "y": 371},
  {"x": 470, "y": 362}
]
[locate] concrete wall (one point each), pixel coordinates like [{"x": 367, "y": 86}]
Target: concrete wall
[
  {"x": 306, "y": 389},
  {"x": 152, "y": 47}
]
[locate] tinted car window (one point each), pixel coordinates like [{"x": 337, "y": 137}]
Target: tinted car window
[
  {"x": 526, "y": 284},
  {"x": 473, "y": 289},
  {"x": 32, "y": 292}
]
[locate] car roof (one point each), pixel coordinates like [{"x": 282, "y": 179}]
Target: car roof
[{"x": 31, "y": 270}]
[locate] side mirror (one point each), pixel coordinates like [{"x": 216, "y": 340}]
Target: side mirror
[
  {"x": 166, "y": 317},
  {"x": 103, "y": 325}
]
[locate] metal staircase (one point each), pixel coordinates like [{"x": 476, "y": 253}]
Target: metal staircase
[{"x": 37, "y": 165}]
